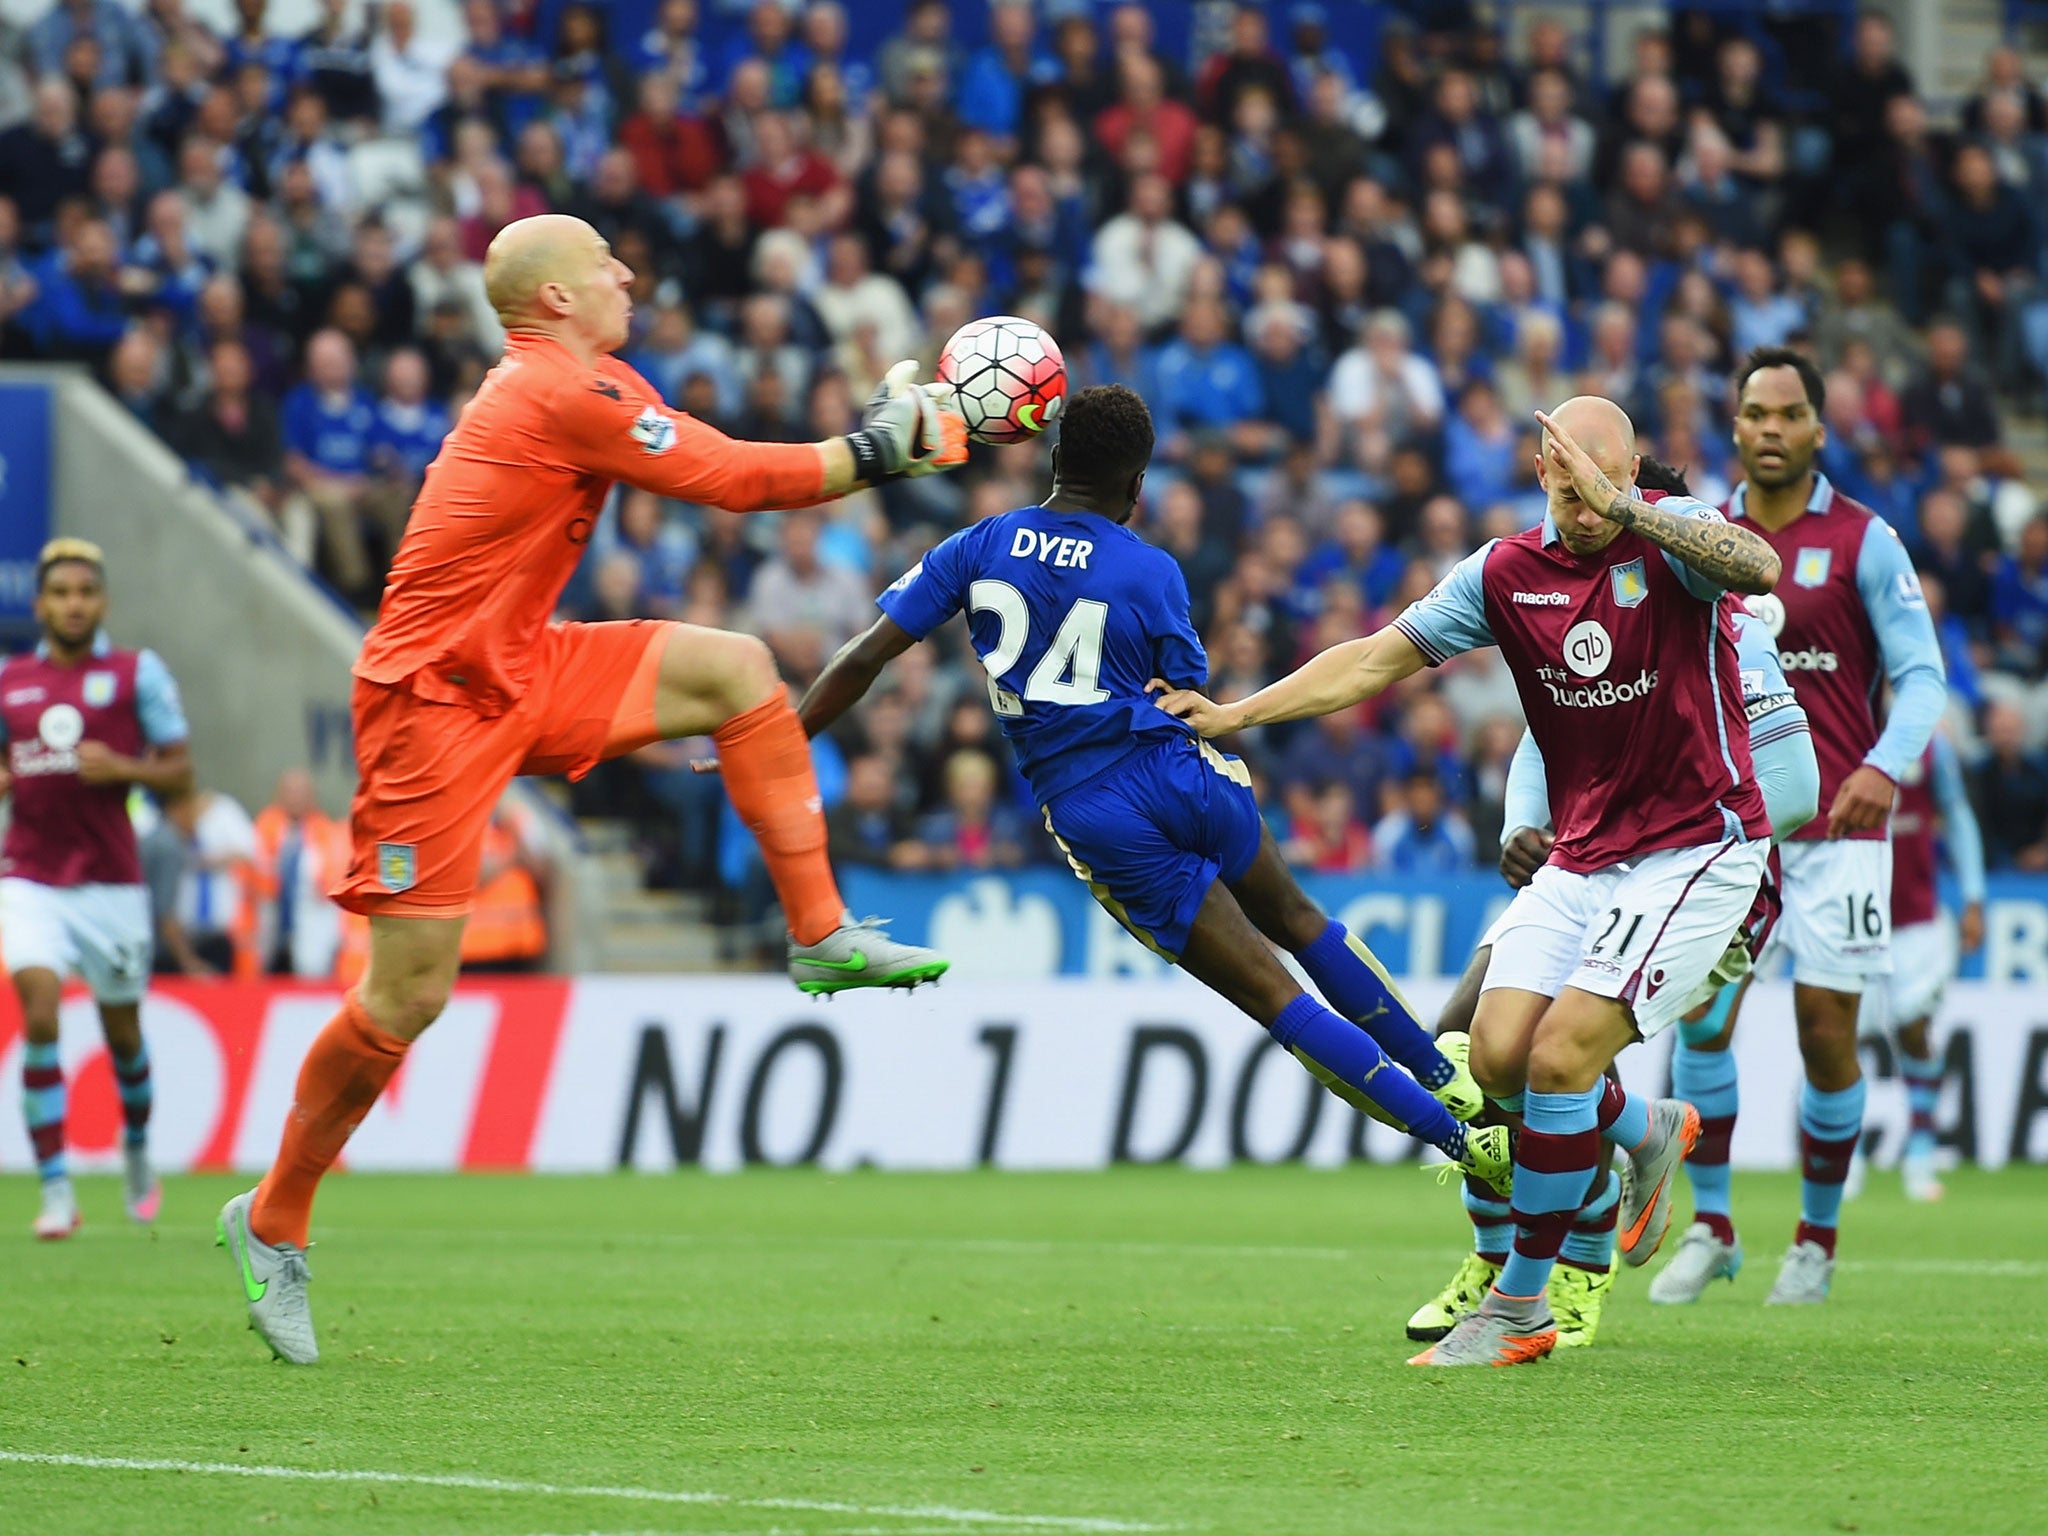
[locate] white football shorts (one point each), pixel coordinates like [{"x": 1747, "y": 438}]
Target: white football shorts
[
  {"x": 1837, "y": 925},
  {"x": 99, "y": 932},
  {"x": 1645, "y": 932}
]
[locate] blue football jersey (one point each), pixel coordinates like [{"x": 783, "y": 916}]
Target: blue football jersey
[{"x": 1072, "y": 615}]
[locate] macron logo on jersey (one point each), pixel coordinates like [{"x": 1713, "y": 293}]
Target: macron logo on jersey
[
  {"x": 1542, "y": 599},
  {"x": 1067, "y": 554}
]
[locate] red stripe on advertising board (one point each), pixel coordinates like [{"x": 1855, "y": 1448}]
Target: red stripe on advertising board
[{"x": 531, "y": 1011}]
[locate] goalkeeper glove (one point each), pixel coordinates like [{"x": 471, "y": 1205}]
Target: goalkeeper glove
[{"x": 908, "y": 429}]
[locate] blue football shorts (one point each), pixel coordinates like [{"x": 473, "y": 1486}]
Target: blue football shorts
[{"x": 1150, "y": 836}]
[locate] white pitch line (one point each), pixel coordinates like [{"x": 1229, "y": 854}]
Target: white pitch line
[
  {"x": 1989, "y": 1269},
  {"x": 972, "y": 1517}
]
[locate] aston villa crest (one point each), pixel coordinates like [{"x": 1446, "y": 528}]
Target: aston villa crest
[
  {"x": 398, "y": 866},
  {"x": 1811, "y": 568}
]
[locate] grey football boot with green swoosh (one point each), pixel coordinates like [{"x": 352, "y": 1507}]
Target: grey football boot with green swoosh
[
  {"x": 273, "y": 1283},
  {"x": 861, "y": 954}
]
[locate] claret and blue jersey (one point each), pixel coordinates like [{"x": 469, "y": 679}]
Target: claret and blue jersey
[{"x": 1072, "y": 615}]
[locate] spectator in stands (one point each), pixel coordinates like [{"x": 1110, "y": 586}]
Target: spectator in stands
[
  {"x": 991, "y": 94},
  {"x": 1143, "y": 259},
  {"x": 327, "y": 423},
  {"x": 442, "y": 274},
  {"x": 1336, "y": 749},
  {"x": 136, "y": 375},
  {"x": 1856, "y": 313},
  {"x": 1863, "y": 90},
  {"x": 869, "y": 827},
  {"x": 1950, "y": 401},
  {"x": 45, "y": 160},
  {"x": 1207, "y": 381},
  {"x": 1482, "y": 446},
  {"x": 2012, "y": 793},
  {"x": 18, "y": 287},
  {"x": 83, "y": 310},
  {"x": 1761, "y": 313},
  {"x": 1422, "y": 835},
  {"x": 1145, "y": 109},
  {"x": 972, "y": 829},
  {"x": 662, "y": 548},
  {"x": 675, "y": 153},
  {"x": 404, "y": 438},
  {"x": 124, "y": 49},
  {"x": 1325, "y": 833},
  {"x": 797, "y": 591},
  {"x": 1550, "y": 118},
  {"x": 197, "y": 858},
  {"x": 2019, "y": 603},
  {"x": 507, "y": 931},
  {"x": 409, "y": 72},
  {"x": 299, "y": 852},
  {"x": 851, "y": 294},
  {"x": 232, "y": 433},
  {"x": 1993, "y": 246},
  {"x": 1383, "y": 393},
  {"x": 334, "y": 59},
  {"x": 216, "y": 210}
]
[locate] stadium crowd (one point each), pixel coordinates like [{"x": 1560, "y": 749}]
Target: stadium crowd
[{"x": 1342, "y": 251}]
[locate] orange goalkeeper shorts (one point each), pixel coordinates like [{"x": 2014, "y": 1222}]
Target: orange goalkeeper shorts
[{"x": 430, "y": 774}]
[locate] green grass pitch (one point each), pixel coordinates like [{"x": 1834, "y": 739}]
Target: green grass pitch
[{"x": 1002, "y": 1354}]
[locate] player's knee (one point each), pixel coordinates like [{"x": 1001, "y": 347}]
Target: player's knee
[
  {"x": 1573, "y": 1044},
  {"x": 1497, "y": 1068},
  {"x": 406, "y": 1006},
  {"x": 752, "y": 670}
]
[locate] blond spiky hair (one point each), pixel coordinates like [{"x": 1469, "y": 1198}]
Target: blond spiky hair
[{"x": 58, "y": 551}]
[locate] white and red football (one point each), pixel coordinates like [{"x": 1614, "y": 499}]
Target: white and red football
[{"x": 1009, "y": 377}]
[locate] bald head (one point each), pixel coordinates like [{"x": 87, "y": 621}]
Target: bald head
[
  {"x": 527, "y": 253},
  {"x": 1604, "y": 434},
  {"x": 1603, "y": 429},
  {"x": 555, "y": 273}
]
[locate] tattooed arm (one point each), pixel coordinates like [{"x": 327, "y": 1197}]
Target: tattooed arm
[{"x": 1734, "y": 558}]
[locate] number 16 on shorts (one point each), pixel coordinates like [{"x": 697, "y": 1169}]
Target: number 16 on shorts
[{"x": 1838, "y": 912}]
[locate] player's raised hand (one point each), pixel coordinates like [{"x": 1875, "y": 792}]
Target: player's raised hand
[
  {"x": 1523, "y": 854},
  {"x": 1863, "y": 802},
  {"x": 1567, "y": 458},
  {"x": 1203, "y": 713},
  {"x": 916, "y": 430}
]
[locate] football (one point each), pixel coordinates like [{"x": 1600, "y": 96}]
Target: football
[{"x": 1009, "y": 376}]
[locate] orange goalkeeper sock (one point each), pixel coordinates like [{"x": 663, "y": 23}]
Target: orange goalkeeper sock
[
  {"x": 350, "y": 1062},
  {"x": 765, "y": 761}
]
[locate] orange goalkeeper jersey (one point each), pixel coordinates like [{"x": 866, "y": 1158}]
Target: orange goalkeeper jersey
[{"x": 509, "y": 503}]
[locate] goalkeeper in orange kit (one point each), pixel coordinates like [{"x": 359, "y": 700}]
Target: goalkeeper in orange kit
[{"x": 463, "y": 682}]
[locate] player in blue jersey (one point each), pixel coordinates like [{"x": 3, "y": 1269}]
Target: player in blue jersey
[
  {"x": 1787, "y": 773},
  {"x": 1076, "y": 619}
]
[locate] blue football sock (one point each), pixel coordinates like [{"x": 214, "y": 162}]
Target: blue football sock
[
  {"x": 1629, "y": 1128},
  {"x": 42, "y": 1106},
  {"x": 1357, "y": 986},
  {"x": 1704, "y": 1030},
  {"x": 1829, "y": 1125},
  {"x": 1348, "y": 1054},
  {"x": 1591, "y": 1243},
  {"x": 1554, "y": 1164},
  {"x": 1923, "y": 1076},
  {"x": 131, "y": 1077},
  {"x": 1493, "y": 1226},
  {"x": 1707, "y": 1081}
]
